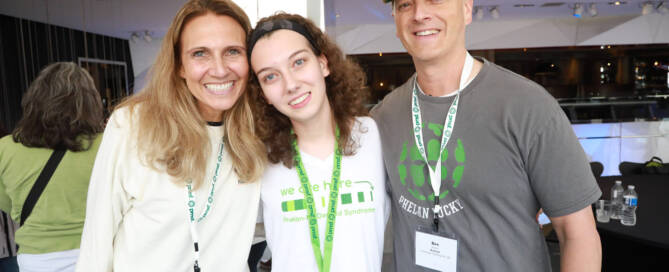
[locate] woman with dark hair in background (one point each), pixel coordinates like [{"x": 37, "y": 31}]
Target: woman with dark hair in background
[
  {"x": 62, "y": 112},
  {"x": 173, "y": 184},
  {"x": 323, "y": 197}
]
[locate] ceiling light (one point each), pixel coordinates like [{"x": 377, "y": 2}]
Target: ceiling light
[
  {"x": 147, "y": 36},
  {"x": 646, "y": 8},
  {"x": 592, "y": 9},
  {"x": 494, "y": 12},
  {"x": 479, "y": 13},
  {"x": 134, "y": 37},
  {"x": 578, "y": 10}
]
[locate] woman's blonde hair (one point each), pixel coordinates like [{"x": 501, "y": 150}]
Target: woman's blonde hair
[{"x": 171, "y": 133}]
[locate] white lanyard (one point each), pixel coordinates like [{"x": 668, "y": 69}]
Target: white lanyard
[
  {"x": 449, "y": 124},
  {"x": 191, "y": 209}
]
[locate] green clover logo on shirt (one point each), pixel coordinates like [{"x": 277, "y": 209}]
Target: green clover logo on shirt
[{"x": 411, "y": 167}]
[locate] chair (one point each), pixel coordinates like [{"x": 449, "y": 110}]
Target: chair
[
  {"x": 597, "y": 168},
  {"x": 630, "y": 168}
]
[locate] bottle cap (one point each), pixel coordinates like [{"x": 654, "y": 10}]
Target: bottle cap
[
  {"x": 631, "y": 187},
  {"x": 619, "y": 182}
]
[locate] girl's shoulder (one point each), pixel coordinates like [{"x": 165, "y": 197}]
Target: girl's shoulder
[
  {"x": 365, "y": 124},
  {"x": 365, "y": 131}
]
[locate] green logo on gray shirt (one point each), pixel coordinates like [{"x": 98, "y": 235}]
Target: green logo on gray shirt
[{"x": 411, "y": 167}]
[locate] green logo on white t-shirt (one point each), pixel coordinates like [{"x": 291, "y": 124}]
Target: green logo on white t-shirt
[
  {"x": 355, "y": 197},
  {"x": 346, "y": 198}
]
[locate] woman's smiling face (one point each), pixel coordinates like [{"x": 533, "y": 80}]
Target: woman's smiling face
[{"x": 213, "y": 62}]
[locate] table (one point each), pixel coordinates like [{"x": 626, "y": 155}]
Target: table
[{"x": 652, "y": 225}]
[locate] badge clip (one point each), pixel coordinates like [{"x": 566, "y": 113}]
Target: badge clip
[{"x": 434, "y": 213}]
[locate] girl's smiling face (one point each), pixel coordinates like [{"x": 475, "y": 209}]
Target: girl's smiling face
[{"x": 291, "y": 76}]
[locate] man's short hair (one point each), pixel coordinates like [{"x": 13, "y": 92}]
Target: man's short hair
[{"x": 392, "y": 4}]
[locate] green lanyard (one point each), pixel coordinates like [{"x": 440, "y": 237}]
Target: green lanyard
[
  {"x": 322, "y": 261},
  {"x": 191, "y": 209}
]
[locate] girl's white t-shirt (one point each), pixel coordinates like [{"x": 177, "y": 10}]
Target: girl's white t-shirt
[{"x": 362, "y": 209}]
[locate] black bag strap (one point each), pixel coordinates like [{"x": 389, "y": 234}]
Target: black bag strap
[
  {"x": 656, "y": 159},
  {"x": 40, "y": 184},
  {"x": 654, "y": 162}
]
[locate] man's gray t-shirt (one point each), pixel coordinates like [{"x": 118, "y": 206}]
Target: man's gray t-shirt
[{"x": 512, "y": 152}]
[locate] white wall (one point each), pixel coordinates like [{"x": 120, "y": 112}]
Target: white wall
[
  {"x": 143, "y": 55},
  {"x": 256, "y": 9}
]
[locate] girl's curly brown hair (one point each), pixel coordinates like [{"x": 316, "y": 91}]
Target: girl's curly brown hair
[{"x": 345, "y": 89}]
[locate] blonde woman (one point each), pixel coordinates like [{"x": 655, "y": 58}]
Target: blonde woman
[{"x": 173, "y": 185}]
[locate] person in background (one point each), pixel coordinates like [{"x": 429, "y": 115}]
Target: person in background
[
  {"x": 8, "y": 248},
  {"x": 62, "y": 111},
  {"x": 473, "y": 151},
  {"x": 323, "y": 196},
  {"x": 173, "y": 186},
  {"x": 259, "y": 244},
  {"x": 7, "y": 228}
]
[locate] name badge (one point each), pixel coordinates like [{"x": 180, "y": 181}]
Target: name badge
[{"x": 436, "y": 252}]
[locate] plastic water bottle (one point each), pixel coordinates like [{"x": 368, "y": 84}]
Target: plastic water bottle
[
  {"x": 617, "y": 200},
  {"x": 629, "y": 207}
]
